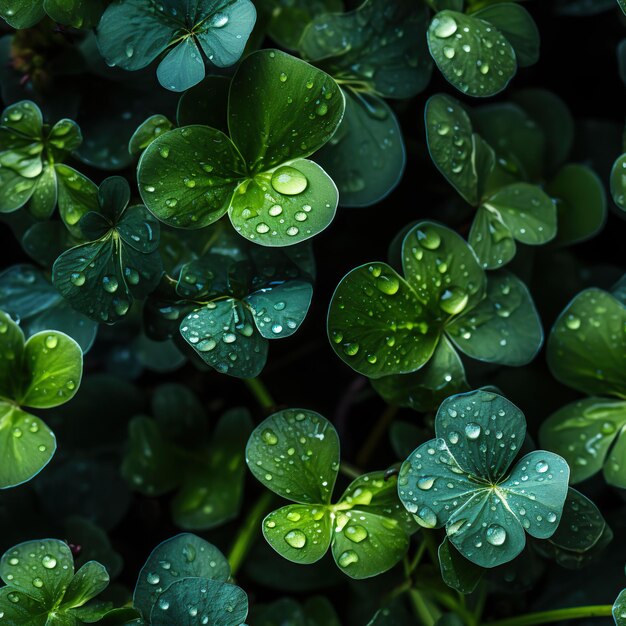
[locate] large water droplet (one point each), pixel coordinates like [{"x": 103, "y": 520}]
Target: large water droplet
[
  {"x": 472, "y": 430},
  {"x": 296, "y": 539},
  {"x": 426, "y": 517},
  {"x": 496, "y": 535},
  {"x": 289, "y": 181},
  {"x": 444, "y": 26},
  {"x": 453, "y": 300},
  {"x": 355, "y": 533},
  {"x": 348, "y": 558}
]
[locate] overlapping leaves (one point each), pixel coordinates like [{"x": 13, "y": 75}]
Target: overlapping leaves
[
  {"x": 174, "y": 451},
  {"x": 32, "y": 172},
  {"x": 386, "y": 325},
  {"x": 229, "y": 302},
  {"x": 75, "y": 13},
  {"x": 376, "y": 51},
  {"x": 184, "y": 582},
  {"x": 295, "y": 453},
  {"x": 40, "y": 373},
  {"x": 133, "y": 33},
  {"x": 587, "y": 351},
  {"x": 42, "y": 587},
  {"x": 119, "y": 262},
  {"x": 280, "y": 111},
  {"x": 465, "y": 480}
]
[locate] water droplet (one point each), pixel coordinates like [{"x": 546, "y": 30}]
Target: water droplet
[
  {"x": 289, "y": 181},
  {"x": 444, "y": 26},
  {"x": 542, "y": 467},
  {"x": 37, "y": 582},
  {"x": 356, "y": 533},
  {"x": 153, "y": 579},
  {"x": 453, "y": 300},
  {"x": 219, "y": 20},
  {"x": 49, "y": 562},
  {"x": 269, "y": 437},
  {"x": 296, "y": 539},
  {"x": 110, "y": 284},
  {"x": 426, "y": 517},
  {"x": 387, "y": 284},
  {"x": 428, "y": 238},
  {"x": 572, "y": 322},
  {"x": 425, "y": 482},
  {"x": 77, "y": 279},
  {"x": 472, "y": 430},
  {"x": 348, "y": 558},
  {"x": 52, "y": 341},
  {"x": 496, "y": 535}
]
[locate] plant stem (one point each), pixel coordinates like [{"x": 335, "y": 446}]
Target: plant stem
[
  {"x": 557, "y": 615},
  {"x": 426, "y": 614},
  {"x": 380, "y": 428},
  {"x": 349, "y": 470},
  {"x": 248, "y": 531},
  {"x": 260, "y": 392}
]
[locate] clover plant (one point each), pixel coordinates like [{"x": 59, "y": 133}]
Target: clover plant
[
  {"x": 388, "y": 327},
  {"x": 203, "y": 203}
]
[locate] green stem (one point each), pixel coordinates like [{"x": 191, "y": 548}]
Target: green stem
[
  {"x": 557, "y": 615},
  {"x": 426, "y": 614},
  {"x": 376, "y": 433},
  {"x": 260, "y": 392},
  {"x": 248, "y": 532}
]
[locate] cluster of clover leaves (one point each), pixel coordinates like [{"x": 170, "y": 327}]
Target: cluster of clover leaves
[{"x": 242, "y": 155}]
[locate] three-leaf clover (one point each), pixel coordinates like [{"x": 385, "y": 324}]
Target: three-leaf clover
[
  {"x": 465, "y": 480},
  {"x": 587, "y": 351},
  {"x": 133, "y": 33},
  {"x": 184, "y": 582},
  {"x": 119, "y": 262},
  {"x": 507, "y": 211},
  {"x": 280, "y": 111},
  {"x": 31, "y": 165},
  {"x": 40, "y": 373},
  {"x": 42, "y": 587},
  {"x": 384, "y": 325},
  {"x": 230, "y": 302},
  {"x": 26, "y": 294},
  {"x": 373, "y": 52},
  {"x": 295, "y": 453},
  {"x": 479, "y": 53},
  {"x": 174, "y": 451}
]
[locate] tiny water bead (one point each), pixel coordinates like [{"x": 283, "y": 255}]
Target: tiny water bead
[{"x": 289, "y": 181}]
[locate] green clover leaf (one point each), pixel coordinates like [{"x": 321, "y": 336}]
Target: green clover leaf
[
  {"x": 228, "y": 304},
  {"x": 173, "y": 452},
  {"x": 41, "y": 373},
  {"x": 463, "y": 480},
  {"x": 512, "y": 211},
  {"x": 41, "y": 584},
  {"x": 32, "y": 172},
  {"x": 281, "y": 110},
  {"x": 133, "y": 33},
  {"x": 384, "y": 325},
  {"x": 182, "y": 556},
  {"x": 26, "y": 294},
  {"x": 295, "y": 453},
  {"x": 479, "y": 53},
  {"x": 121, "y": 262}
]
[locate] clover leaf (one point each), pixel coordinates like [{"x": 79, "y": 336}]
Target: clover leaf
[
  {"x": 42, "y": 587},
  {"x": 133, "y": 33},
  {"x": 31, "y": 166},
  {"x": 26, "y": 294},
  {"x": 382, "y": 324},
  {"x": 280, "y": 111},
  {"x": 40, "y": 373},
  {"x": 587, "y": 351},
  {"x": 120, "y": 262},
  {"x": 366, "y": 51},
  {"x": 619, "y": 606},
  {"x": 516, "y": 211},
  {"x": 479, "y": 53},
  {"x": 465, "y": 480},
  {"x": 174, "y": 452},
  {"x": 27, "y": 13},
  {"x": 295, "y": 453},
  {"x": 228, "y": 303},
  {"x": 184, "y": 582}
]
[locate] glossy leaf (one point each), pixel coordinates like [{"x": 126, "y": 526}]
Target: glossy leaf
[
  {"x": 147, "y": 132},
  {"x": 295, "y": 453},
  {"x": 370, "y": 47},
  {"x": 492, "y": 241},
  {"x": 366, "y": 156},
  {"x": 184, "y": 556},
  {"x": 587, "y": 345},
  {"x": 504, "y": 328},
  {"x": 583, "y": 433},
  {"x": 191, "y": 600},
  {"x": 472, "y": 54},
  {"x": 485, "y": 516},
  {"x": 457, "y": 571}
]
